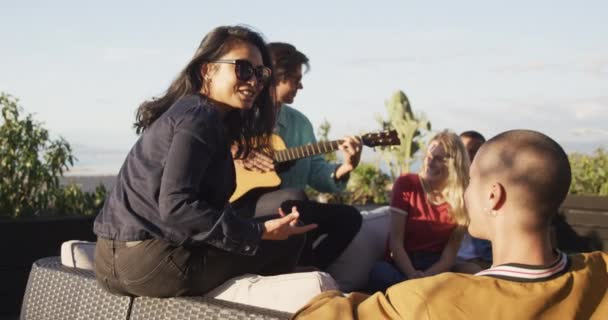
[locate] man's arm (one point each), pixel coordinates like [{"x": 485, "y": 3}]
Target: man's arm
[
  {"x": 398, "y": 303},
  {"x": 327, "y": 177}
]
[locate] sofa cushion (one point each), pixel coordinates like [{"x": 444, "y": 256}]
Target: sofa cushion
[
  {"x": 78, "y": 254},
  {"x": 286, "y": 292},
  {"x": 351, "y": 269}
]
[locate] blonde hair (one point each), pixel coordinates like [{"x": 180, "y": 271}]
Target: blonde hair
[{"x": 458, "y": 174}]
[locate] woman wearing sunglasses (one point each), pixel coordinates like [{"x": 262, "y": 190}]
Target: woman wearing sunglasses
[{"x": 167, "y": 229}]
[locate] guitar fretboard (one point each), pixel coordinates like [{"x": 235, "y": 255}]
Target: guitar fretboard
[{"x": 306, "y": 151}]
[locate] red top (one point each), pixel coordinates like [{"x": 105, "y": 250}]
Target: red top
[{"x": 427, "y": 227}]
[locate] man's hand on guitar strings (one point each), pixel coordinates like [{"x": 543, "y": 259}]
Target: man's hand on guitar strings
[
  {"x": 285, "y": 226},
  {"x": 351, "y": 149}
]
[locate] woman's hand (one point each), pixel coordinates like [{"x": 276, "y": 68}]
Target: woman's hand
[
  {"x": 285, "y": 226},
  {"x": 415, "y": 274},
  {"x": 257, "y": 161},
  {"x": 448, "y": 255}
]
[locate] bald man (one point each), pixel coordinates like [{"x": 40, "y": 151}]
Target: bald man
[{"x": 518, "y": 181}]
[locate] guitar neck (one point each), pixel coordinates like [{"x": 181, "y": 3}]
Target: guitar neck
[{"x": 305, "y": 151}]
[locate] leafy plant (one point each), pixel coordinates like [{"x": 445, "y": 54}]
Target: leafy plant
[
  {"x": 30, "y": 166},
  {"x": 590, "y": 173},
  {"x": 72, "y": 200},
  {"x": 323, "y": 134},
  {"x": 411, "y": 129},
  {"x": 331, "y": 157},
  {"x": 368, "y": 184}
]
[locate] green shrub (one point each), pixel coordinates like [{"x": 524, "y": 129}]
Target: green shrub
[
  {"x": 368, "y": 184},
  {"x": 30, "y": 166},
  {"x": 589, "y": 173},
  {"x": 411, "y": 129}
]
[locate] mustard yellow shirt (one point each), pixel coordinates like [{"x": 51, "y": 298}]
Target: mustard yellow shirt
[{"x": 572, "y": 288}]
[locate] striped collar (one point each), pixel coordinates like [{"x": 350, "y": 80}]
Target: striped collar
[{"x": 528, "y": 273}]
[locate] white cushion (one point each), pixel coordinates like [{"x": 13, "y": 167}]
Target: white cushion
[
  {"x": 352, "y": 268},
  {"x": 286, "y": 292},
  {"x": 78, "y": 254}
]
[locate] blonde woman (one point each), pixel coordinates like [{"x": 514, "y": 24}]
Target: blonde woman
[{"x": 428, "y": 216}]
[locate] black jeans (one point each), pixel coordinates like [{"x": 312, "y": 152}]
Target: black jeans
[
  {"x": 156, "y": 268},
  {"x": 340, "y": 223},
  {"x": 263, "y": 202}
]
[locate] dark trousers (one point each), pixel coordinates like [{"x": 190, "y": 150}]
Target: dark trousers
[
  {"x": 385, "y": 274},
  {"x": 156, "y": 268},
  {"x": 263, "y": 202},
  {"x": 339, "y": 223}
]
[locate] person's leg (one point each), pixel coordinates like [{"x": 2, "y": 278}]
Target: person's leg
[
  {"x": 265, "y": 201},
  {"x": 423, "y": 260},
  {"x": 104, "y": 267},
  {"x": 151, "y": 267},
  {"x": 216, "y": 266},
  {"x": 339, "y": 222},
  {"x": 281, "y": 256},
  {"x": 156, "y": 268},
  {"x": 383, "y": 275},
  {"x": 245, "y": 205},
  {"x": 269, "y": 203}
]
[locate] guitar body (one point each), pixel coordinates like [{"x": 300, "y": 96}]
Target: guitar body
[{"x": 247, "y": 180}]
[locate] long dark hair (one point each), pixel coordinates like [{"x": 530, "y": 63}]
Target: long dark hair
[{"x": 246, "y": 128}]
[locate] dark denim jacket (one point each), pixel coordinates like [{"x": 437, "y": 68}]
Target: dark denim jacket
[{"x": 175, "y": 184}]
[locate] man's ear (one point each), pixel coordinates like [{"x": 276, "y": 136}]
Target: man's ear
[{"x": 498, "y": 196}]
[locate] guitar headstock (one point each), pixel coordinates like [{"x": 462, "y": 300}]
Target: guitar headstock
[{"x": 384, "y": 138}]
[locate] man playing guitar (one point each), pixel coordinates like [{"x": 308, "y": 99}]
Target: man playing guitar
[{"x": 339, "y": 222}]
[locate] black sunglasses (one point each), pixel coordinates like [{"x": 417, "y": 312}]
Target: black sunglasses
[{"x": 245, "y": 70}]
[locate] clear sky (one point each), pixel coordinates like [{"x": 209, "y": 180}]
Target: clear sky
[{"x": 83, "y": 67}]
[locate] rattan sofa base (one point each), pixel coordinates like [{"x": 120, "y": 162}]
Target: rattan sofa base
[{"x": 57, "y": 292}]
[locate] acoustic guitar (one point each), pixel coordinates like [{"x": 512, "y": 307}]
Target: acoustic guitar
[{"x": 247, "y": 180}]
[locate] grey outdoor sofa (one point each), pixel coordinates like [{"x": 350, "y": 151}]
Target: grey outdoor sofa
[{"x": 58, "y": 292}]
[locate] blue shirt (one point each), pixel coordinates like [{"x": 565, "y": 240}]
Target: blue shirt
[
  {"x": 471, "y": 248},
  {"x": 295, "y": 129}
]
